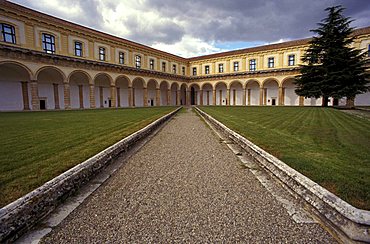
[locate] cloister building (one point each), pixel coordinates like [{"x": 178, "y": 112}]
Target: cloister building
[{"x": 49, "y": 63}]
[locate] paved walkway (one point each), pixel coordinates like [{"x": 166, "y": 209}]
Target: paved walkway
[{"x": 183, "y": 186}]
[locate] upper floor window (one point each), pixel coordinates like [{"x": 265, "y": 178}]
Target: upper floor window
[
  {"x": 206, "y": 69},
  {"x": 48, "y": 43},
  {"x": 236, "y": 66},
  {"x": 291, "y": 60},
  {"x": 220, "y": 68},
  {"x": 102, "y": 53},
  {"x": 78, "y": 49},
  {"x": 183, "y": 70},
  {"x": 138, "y": 61},
  {"x": 271, "y": 62},
  {"x": 174, "y": 69},
  {"x": 252, "y": 65},
  {"x": 164, "y": 66},
  {"x": 121, "y": 57},
  {"x": 194, "y": 71},
  {"x": 8, "y": 33},
  {"x": 151, "y": 63}
]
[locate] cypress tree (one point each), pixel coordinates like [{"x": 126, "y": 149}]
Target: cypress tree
[{"x": 333, "y": 68}]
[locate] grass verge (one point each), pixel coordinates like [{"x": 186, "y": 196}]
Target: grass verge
[
  {"x": 38, "y": 146},
  {"x": 327, "y": 145}
]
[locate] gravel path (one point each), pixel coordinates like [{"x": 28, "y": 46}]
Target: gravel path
[{"x": 183, "y": 186}]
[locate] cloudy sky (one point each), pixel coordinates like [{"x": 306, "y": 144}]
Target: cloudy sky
[{"x": 196, "y": 27}]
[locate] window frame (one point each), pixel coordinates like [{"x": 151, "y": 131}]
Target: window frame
[
  {"x": 137, "y": 61},
  {"x": 121, "y": 57},
  {"x": 102, "y": 54},
  {"x": 48, "y": 40},
  {"x": 163, "y": 66},
  {"x": 252, "y": 64},
  {"x": 291, "y": 62},
  {"x": 194, "y": 71},
  {"x": 183, "y": 70},
  {"x": 10, "y": 34},
  {"x": 174, "y": 68},
  {"x": 220, "y": 68},
  {"x": 236, "y": 66},
  {"x": 271, "y": 62},
  {"x": 151, "y": 64},
  {"x": 206, "y": 69},
  {"x": 80, "y": 49}
]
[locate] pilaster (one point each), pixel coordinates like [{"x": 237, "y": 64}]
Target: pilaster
[
  {"x": 26, "y": 102},
  {"x": 35, "y": 95},
  {"x": 56, "y": 96},
  {"x": 92, "y": 95},
  {"x": 67, "y": 96}
]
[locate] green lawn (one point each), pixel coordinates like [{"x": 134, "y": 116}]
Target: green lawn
[
  {"x": 37, "y": 146},
  {"x": 327, "y": 145}
]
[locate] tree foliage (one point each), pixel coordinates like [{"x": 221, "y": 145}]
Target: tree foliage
[{"x": 332, "y": 67}]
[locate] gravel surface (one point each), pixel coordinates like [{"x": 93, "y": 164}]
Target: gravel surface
[{"x": 183, "y": 186}]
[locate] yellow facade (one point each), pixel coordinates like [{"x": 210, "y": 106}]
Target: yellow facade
[{"x": 98, "y": 68}]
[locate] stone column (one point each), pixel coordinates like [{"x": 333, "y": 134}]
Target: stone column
[
  {"x": 281, "y": 102},
  {"x": 113, "y": 95},
  {"x": 168, "y": 97},
  {"x": 188, "y": 96},
  {"x": 201, "y": 97},
  {"x": 81, "y": 96},
  {"x": 214, "y": 97},
  {"x": 228, "y": 96},
  {"x": 178, "y": 95},
  {"x": 118, "y": 98},
  {"x": 249, "y": 96},
  {"x": 26, "y": 102},
  {"x": 35, "y": 95},
  {"x": 92, "y": 95},
  {"x": 145, "y": 96},
  {"x": 56, "y": 96},
  {"x": 301, "y": 101},
  {"x": 220, "y": 97},
  {"x": 131, "y": 97},
  {"x": 261, "y": 96},
  {"x": 207, "y": 97},
  {"x": 244, "y": 96},
  {"x": 67, "y": 96},
  {"x": 157, "y": 97},
  {"x": 101, "y": 98},
  {"x": 265, "y": 97}
]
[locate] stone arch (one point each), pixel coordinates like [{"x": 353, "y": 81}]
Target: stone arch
[
  {"x": 138, "y": 96},
  {"x": 79, "y": 86},
  {"x": 175, "y": 94},
  {"x": 253, "y": 92},
  {"x": 207, "y": 90},
  {"x": 104, "y": 97},
  {"x": 52, "y": 86},
  {"x": 123, "y": 85},
  {"x": 221, "y": 93},
  {"x": 153, "y": 93},
  {"x": 194, "y": 94},
  {"x": 236, "y": 93},
  {"x": 15, "y": 88},
  {"x": 184, "y": 94},
  {"x": 165, "y": 97},
  {"x": 288, "y": 96},
  {"x": 271, "y": 92}
]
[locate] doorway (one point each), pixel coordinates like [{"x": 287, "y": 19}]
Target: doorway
[
  {"x": 42, "y": 104},
  {"x": 273, "y": 101}
]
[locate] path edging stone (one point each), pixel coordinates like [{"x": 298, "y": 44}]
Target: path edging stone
[
  {"x": 19, "y": 216},
  {"x": 353, "y": 222}
]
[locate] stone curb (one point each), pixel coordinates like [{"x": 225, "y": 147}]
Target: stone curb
[
  {"x": 19, "y": 216},
  {"x": 353, "y": 222}
]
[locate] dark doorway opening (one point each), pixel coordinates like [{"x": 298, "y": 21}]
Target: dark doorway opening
[
  {"x": 110, "y": 103},
  {"x": 335, "y": 102},
  {"x": 273, "y": 101},
  {"x": 151, "y": 102},
  {"x": 42, "y": 104}
]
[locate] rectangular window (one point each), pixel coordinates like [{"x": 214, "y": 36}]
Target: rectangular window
[
  {"x": 183, "y": 70},
  {"x": 163, "y": 66},
  {"x": 194, "y": 71},
  {"x": 151, "y": 64},
  {"x": 174, "y": 69},
  {"x": 121, "y": 57},
  {"x": 220, "y": 68},
  {"x": 78, "y": 49},
  {"x": 206, "y": 69},
  {"x": 271, "y": 63},
  {"x": 291, "y": 60},
  {"x": 8, "y": 32},
  {"x": 252, "y": 65},
  {"x": 102, "y": 53},
  {"x": 236, "y": 66},
  {"x": 138, "y": 61},
  {"x": 48, "y": 43}
]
